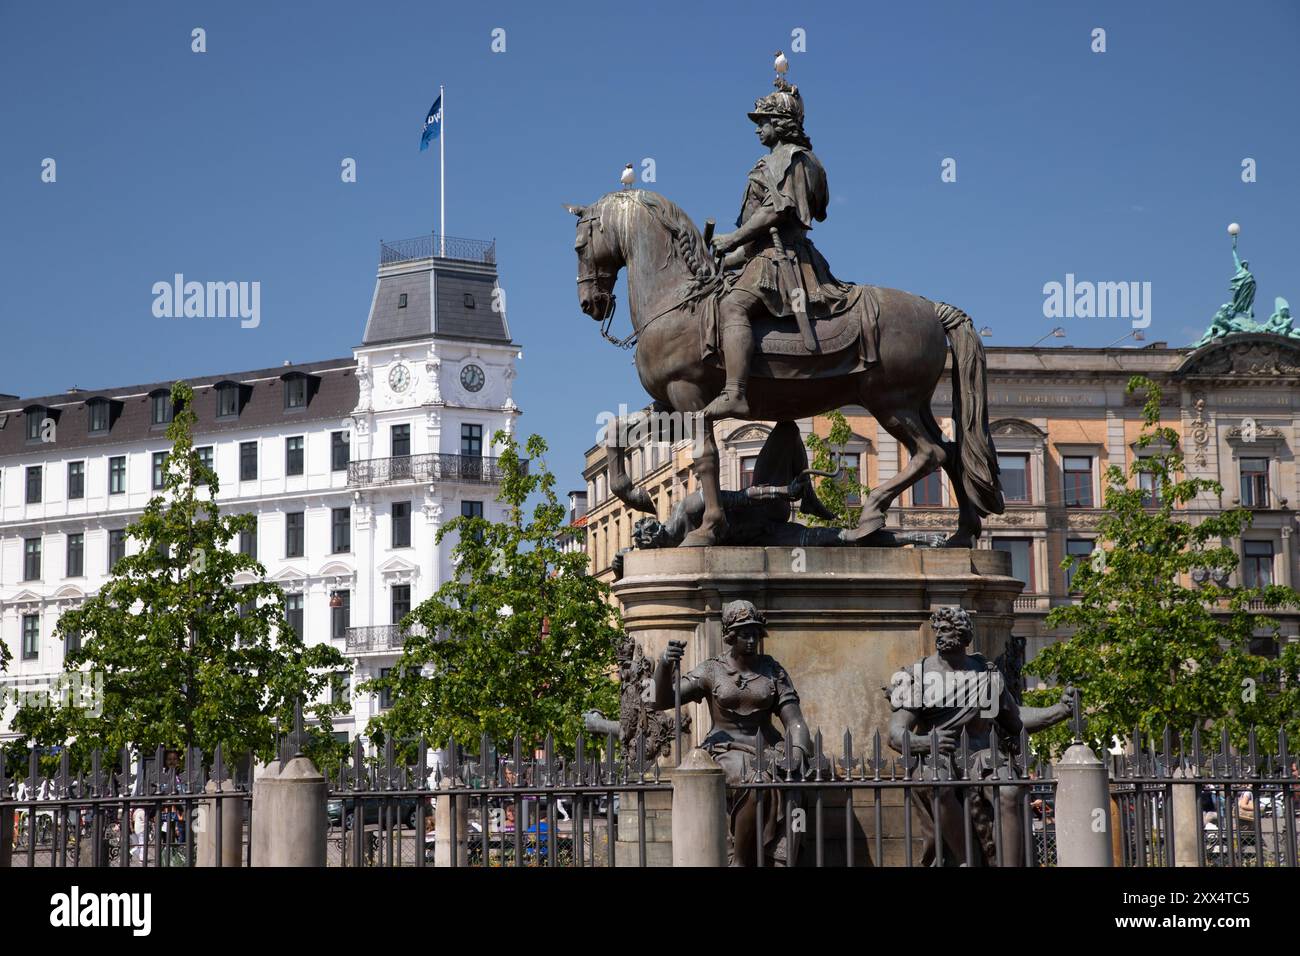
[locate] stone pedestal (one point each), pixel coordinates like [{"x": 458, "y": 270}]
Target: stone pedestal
[{"x": 842, "y": 621}]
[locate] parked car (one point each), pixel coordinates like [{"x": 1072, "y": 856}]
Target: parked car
[{"x": 406, "y": 808}]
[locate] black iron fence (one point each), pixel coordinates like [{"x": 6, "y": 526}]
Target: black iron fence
[{"x": 126, "y": 810}]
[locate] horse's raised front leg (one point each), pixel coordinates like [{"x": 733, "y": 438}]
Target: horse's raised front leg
[
  {"x": 714, "y": 523},
  {"x": 620, "y": 483}
]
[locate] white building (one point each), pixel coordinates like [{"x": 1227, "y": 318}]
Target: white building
[{"x": 350, "y": 465}]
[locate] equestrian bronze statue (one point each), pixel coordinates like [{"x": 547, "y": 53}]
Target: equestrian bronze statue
[{"x": 758, "y": 328}]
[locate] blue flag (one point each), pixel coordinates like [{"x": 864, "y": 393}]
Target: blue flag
[{"x": 432, "y": 123}]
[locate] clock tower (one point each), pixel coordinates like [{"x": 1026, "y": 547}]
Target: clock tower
[{"x": 435, "y": 374}]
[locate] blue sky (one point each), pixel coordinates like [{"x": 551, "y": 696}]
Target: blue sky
[{"x": 1120, "y": 166}]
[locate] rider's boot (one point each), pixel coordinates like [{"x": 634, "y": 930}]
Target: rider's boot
[{"x": 737, "y": 344}]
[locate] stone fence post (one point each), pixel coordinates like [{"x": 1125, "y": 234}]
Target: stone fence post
[
  {"x": 232, "y": 825},
  {"x": 1083, "y": 820},
  {"x": 289, "y": 821},
  {"x": 699, "y": 812},
  {"x": 442, "y": 827},
  {"x": 6, "y": 837}
]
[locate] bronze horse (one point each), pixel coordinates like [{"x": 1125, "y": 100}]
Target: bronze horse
[{"x": 670, "y": 270}]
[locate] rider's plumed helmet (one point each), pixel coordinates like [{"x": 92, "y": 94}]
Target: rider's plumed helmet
[{"x": 785, "y": 102}]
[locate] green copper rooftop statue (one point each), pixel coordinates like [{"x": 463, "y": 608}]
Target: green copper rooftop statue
[
  {"x": 1239, "y": 314},
  {"x": 751, "y": 324}
]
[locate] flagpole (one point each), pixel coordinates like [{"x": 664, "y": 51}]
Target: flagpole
[{"x": 442, "y": 177}]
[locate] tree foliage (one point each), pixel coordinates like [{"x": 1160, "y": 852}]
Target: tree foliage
[
  {"x": 188, "y": 657},
  {"x": 836, "y": 492},
  {"x": 520, "y": 641},
  {"x": 1152, "y": 645}
]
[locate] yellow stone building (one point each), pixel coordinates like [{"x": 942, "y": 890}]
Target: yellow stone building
[{"x": 1060, "y": 417}]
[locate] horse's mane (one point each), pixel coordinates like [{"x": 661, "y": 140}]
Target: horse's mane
[{"x": 687, "y": 243}]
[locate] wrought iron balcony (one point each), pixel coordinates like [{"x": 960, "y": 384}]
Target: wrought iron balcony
[
  {"x": 434, "y": 246},
  {"x": 425, "y": 468},
  {"x": 382, "y": 637}
]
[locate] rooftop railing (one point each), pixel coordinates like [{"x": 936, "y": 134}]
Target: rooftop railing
[{"x": 434, "y": 246}]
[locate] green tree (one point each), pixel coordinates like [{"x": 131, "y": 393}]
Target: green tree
[
  {"x": 836, "y": 492},
  {"x": 520, "y": 641},
  {"x": 187, "y": 656},
  {"x": 1151, "y": 647}
]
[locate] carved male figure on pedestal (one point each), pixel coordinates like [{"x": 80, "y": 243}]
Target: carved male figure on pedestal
[
  {"x": 944, "y": 694},
  {"x": 744, "y": 690}
]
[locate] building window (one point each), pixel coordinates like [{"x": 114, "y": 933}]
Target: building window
[
  {"x": 1257, "y": 564},
  {"x": 471, "y": 509},
  {"x": 293, "y": 612},
  {"x": 248, "y": 461},
  {"x": 1076, "y": 548},
  {"x": 295, "y": 392},
  {"x": 117, "y": 475},
  {"x": 31, "y": 636},
  {"x": 293, "y": 534},
  {"x": 747, "y": 471},
  {"x": 401, "y": 301},
  {"x": 401, "y": 602},
  {"x": 1078, "y": 481},
  {"x": 34, "y": 484},
  {"x": 385, "y": 694},
  {"x": 161, "y": 410},
  {"x": 205, "y": 459},
  {"x": 401, "y": 440},
  {"x": 1150, "y": 488},
  {"x": 159, "y": 470},
  {"x": 401, "y": 524},
  {"x": 248, "y": 541},
  {"x": 116, "y": 547},
  {"x": 34, "y": 417},
  {"x": 340, "y": 530},
  {"x": 469, "y": 300},
  {"x": 293, "y": 455},
  {"x": 100, "y": 413},
  {"x": 341, "y": 616},
  {"x": 76, "y": 479},
  {"x": 32, "y": 559},
  {"x": 848, "y": 464},
  {"x": 76, "y": 555},
  {"x": 929, "y": 490},
  {"x": 246, "y": 609},
  {"x": 338, "y": 451},
  {"x": 1015, "y": 477},
  {"x": 1022, "y": 565},
  {"x": 228, "y": 401},
  {"x": 471, "y": 441},
  {"x": 341, "y": 687},
  {"x": 71, "y": 642},
  {"x": 1254, "y": 482}
]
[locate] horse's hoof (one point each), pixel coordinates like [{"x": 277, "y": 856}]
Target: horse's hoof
[
  {"x": 700, "y": 538},
  {"x": 959, "y": 539},
  {"x": 866, "y": 527}
]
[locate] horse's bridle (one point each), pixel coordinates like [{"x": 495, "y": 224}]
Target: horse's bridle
[{"x": 607, "y": 300}]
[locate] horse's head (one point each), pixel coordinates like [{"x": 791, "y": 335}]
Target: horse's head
[{"x": 599, "y": 261}]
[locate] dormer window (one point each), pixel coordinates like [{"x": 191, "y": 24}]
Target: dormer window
[
  {"x": 230, "y": 399},
  {"x": 298, "y": 390},
  {"x": 469, "y": 301},
  {"x": 101, "y": 415},
  {"x": 35, "y": 416},
  {"x": 401, "y": 301},
  {"x": 161, "y": 410}
]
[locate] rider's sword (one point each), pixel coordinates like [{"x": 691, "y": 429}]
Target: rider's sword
[{"x": 790, "y": 271}]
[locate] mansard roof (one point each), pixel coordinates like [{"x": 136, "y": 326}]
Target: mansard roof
[
  {"x": 449, "y": 298},
  {"x": 333, "y": 400}
]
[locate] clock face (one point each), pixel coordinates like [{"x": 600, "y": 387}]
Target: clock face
[
  {"x": 399, "y": 377},
  {"x": 472, "y": 377}
]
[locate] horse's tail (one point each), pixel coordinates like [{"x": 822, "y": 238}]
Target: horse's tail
[{"x": 970, "y": 412}]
